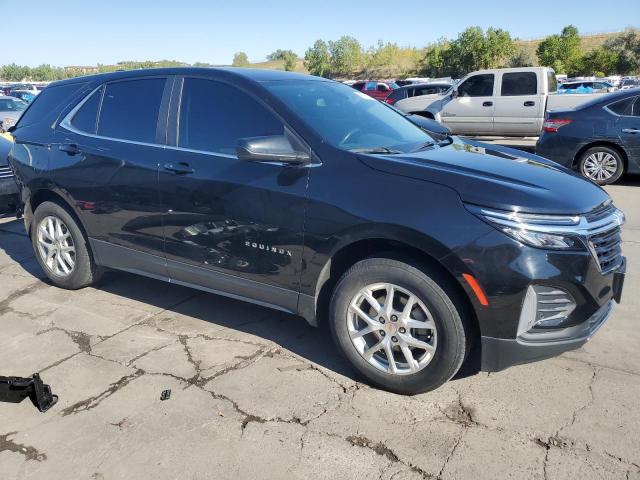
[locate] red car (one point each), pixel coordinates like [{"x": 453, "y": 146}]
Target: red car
[{"x": 379, "y": 90}]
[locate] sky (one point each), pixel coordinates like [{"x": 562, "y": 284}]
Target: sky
[{"x": 88, "y": 32}]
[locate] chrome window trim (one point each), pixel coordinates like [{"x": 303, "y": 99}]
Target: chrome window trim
[{"x": 606, "y": 107}]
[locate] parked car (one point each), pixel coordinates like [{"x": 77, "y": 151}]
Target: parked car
[
  {"x": 628, "y": 83},
  {"x": 8, "y": 187},
  {"x": 304, "y": 195},
  {"x": 582, "y": 86},
  {"x": 502, "y": 102},
  {"x": 436, "y": 130},
  {"x": 24, "y": 95},
  {"x": 600, "y": 139},
  {"x": 378, "y": 90},
  {"x": 405, "y": 94},
  {"x": 10, "y": 110}
]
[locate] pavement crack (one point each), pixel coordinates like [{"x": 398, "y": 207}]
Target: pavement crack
[
  {"x": 93, "y": 402},
  {"x": 5, "y": 305},
  {"x": 81, "y": 339},
  {"x": 29, "y": 452}
]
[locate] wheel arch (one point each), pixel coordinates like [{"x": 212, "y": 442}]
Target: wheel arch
[
  {"x": 37, "y": 197},
  {"x": 602, "y": 143},
  {"x": 349, "y": 254}
]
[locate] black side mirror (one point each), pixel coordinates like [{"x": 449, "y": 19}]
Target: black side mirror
[
  {"x": 274, "y": 148},
  {"x": 11, "y": 129}
]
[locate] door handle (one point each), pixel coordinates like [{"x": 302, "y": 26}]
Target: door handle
[
  {"x": 631, "y": 130},
  {"x": 487, "y": 104},
  {"x": 529, "y": 104},
  {"x": 180, "y": 168},
  {"x": 69, "y": 148}
]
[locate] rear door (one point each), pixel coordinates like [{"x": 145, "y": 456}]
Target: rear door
[
  {"x": 471, "y": 112},
  {"x": 107, "y": 155},
  {"x": 629, "y": 128},
  {"x": 519, "y": 108},
  {"x": 230, "y": 225}
]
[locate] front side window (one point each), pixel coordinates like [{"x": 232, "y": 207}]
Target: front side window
[
  {"x": 86, "y": 117},
  {"x": 214, "y": 116},
  {"x": 130, "y": 109},
  {"x": 477, "y": 86},
  {"x": 519, "y": 83},
  {"x": 347, "y": 119}
]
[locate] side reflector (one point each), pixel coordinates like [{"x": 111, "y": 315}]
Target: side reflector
[{"x": 473, "y": 283}]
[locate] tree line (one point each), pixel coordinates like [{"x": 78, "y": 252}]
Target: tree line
[{"x": 472, "y": 49}]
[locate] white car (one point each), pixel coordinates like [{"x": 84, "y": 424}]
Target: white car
[{"x": 10, "y": 111}]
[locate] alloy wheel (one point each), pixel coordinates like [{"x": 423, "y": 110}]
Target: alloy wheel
[
  {"x": 392, "y": 329},
  {"x": 600, "y": 166},
  {"x": 55, "y": 246}
]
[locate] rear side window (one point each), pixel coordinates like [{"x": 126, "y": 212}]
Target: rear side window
[
  {"x": 358, "y": 85},
  {"x": 86, "y": 117},
  {"x": 622, "y": 107},
  {"x": 519, "y": 83},
  {"x": 48, "y": 104},
  {"x": 214, "y": 115},
  {"x": 130, "y": 109},
  {"x": 635, "y": 109},
  {"x": 477, "y": 86}
]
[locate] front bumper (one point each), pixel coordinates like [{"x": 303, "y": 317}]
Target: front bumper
[{"x": 501, "y": 353}]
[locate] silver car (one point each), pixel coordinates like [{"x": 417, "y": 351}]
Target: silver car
[{"x": 10, "y": 111}]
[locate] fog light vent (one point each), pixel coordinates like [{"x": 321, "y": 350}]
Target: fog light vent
[{"x": 545, "y": 307}]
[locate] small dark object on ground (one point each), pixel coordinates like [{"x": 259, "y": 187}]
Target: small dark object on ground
[
  {"x": 165, "y": 395},
  {"x": 16, "y": 389}
]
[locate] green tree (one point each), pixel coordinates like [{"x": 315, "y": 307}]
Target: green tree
[
  {"x": 240, "y": 59},
  {"x": 601, "y": 60},
  {"x": 14, "y": 72},
  {"x": 346, "y": 56},
  {"x": 500, "y": 48},
  {"x": 290, "y": 59},
  {"x": 561, "y": 52},
  {"x": 281, "y": 55},
  {"x": 435, "y": 58},
  {"x": 317, "y": 59},
  {"x": 626, "y": 46},
  {"x": 522, "y": 58}
]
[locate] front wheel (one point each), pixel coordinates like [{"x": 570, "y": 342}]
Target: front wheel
[
  {"x": 61, "y": 248},
  {"x": 398, "y": 326},
  {"x": 601, "y": 165}
]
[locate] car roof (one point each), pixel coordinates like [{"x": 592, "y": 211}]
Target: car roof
[
  {"x": 251, "y": 74},
  {"x": 607, "y": 98}
]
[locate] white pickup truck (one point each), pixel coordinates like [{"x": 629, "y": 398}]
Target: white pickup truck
[{"x": 509, "y": 102}]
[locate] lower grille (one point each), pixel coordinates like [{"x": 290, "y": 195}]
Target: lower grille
[
  {"x": 606, "y": 247},
  {"x": 5, "y": 171}
]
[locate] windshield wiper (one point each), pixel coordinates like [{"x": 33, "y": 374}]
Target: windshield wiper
[
  {"x": 376, "y": 150},
  {"x": 424, "y": 146}
]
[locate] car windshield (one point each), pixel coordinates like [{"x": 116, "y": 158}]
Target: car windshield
[
  {"x": 349, "y": 119},
  {"x": 11, "y": 105}
]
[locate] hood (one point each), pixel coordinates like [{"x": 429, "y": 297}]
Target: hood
[{"x": 498, "y": 177}]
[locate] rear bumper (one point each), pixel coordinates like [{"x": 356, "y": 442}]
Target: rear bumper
[{"x": 501, "y": 353}]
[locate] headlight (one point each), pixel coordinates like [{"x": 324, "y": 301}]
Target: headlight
[{"x": 540, "y": 231}]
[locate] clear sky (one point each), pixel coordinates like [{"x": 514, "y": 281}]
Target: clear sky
[{"x": 87, "y": 32}]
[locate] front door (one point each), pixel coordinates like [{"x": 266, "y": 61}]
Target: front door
[
  {"x": 230, "y": 225},
  {"x": 471, "y": 112}
]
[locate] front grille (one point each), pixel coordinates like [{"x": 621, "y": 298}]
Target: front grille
[
  {"x": 5, "y": 171},
  {"x": 606, "y": 247}
]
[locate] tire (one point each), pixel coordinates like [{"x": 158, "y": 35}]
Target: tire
[
  {"x": 606, "y": 157},
  {"x": 449, "y": 339},
  {"x": 84, "y": 271}
]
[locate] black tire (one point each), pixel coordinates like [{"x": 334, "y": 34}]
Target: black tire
[
  {"x": 601, "y": 149},
  {"x": 431, "y": 288},
  {"x": 85, "y": 272}
]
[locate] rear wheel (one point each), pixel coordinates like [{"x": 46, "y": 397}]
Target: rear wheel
[
  {"x": 61, "y": 248},
  {"x": 602, "y": 165},
  {"x": 397, "y": 325}
]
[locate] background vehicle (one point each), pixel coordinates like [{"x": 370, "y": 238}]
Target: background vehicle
[
  {"x": 502, "y": 102},
  {"x": 378, "y": 90},
  {"x": 600, "y": 139},
  {"x": 304, "y": 195},
  {"x": 8, "y": 187},
  {"x": 24, "y": 95},
  {"x": 582, "y": 86},
  {"x": 10, "y": 110},
  {"x": 404, "y": 94},
  {"x": 434, "y": 129},
  {"x": 628, "y": 83}
]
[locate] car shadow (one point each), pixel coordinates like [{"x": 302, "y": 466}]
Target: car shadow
[
  {"x": 629, "y": 181},
  {"x": 286, "y": 330}
]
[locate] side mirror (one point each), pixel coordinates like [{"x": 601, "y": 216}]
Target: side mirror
[
  {"x": 454, "y": 93},
  {"x": 274, "y": 148},
  {"x": 11, "y": 129}
]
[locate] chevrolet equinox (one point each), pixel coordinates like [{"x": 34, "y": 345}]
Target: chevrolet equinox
[{"x": 305, "y": 195}]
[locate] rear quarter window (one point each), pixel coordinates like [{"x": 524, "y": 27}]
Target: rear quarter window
[{"x": 47, "y": 106}]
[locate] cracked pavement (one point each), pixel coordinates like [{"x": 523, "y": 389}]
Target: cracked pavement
[{"x": 259, "y": 394}]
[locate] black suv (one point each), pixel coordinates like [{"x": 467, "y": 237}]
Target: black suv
[{"x": 310, "y": 197}]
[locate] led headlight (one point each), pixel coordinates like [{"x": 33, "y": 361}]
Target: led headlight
[{"x": 540, "y": 231}]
